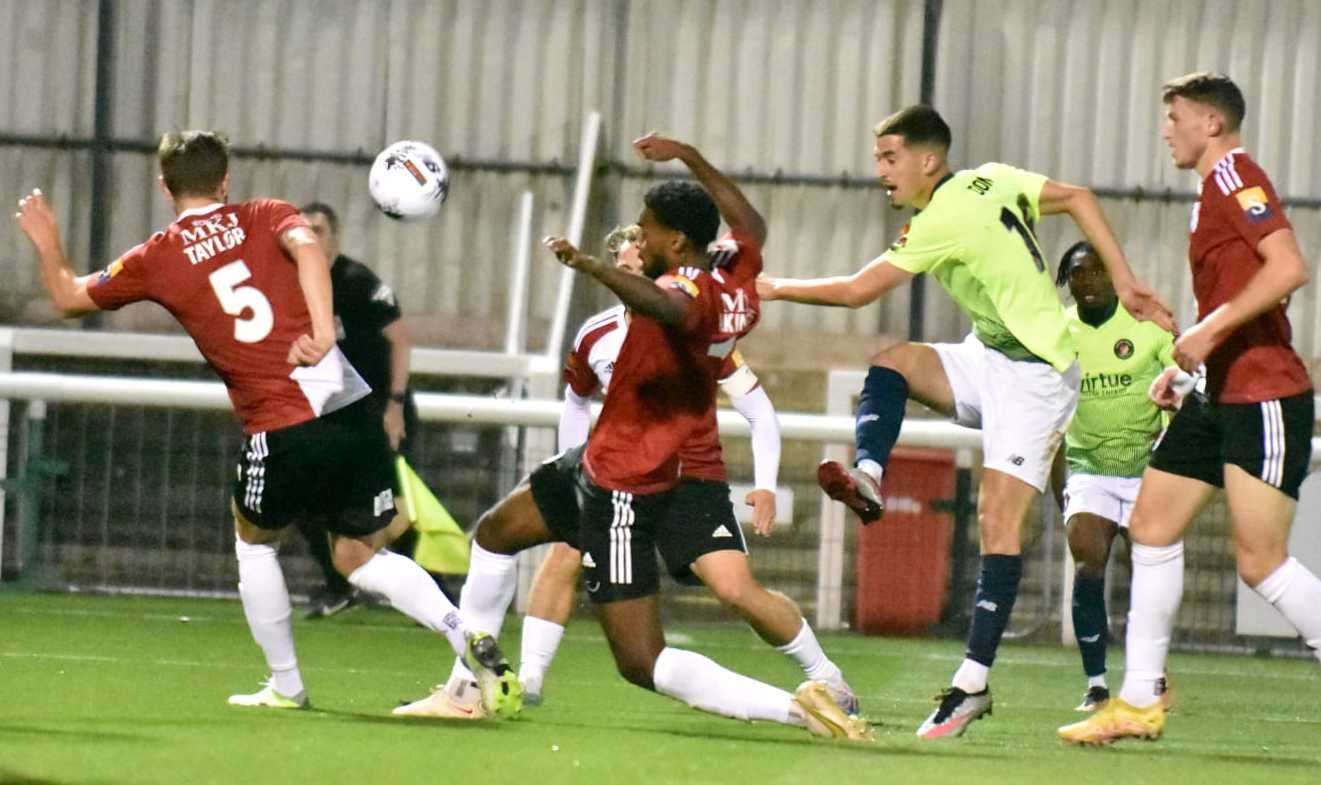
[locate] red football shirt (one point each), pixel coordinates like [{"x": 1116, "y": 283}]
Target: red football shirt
[
  {"x": 1237, "y": 208},
  {"x": 663, "y": 386},
  {"x": 735, "y": 264},
  {"x": 221, "y": 271}
]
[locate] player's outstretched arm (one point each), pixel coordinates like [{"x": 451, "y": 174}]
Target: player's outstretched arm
[
  {"x": 738, "y": 212},
  {"x": 1282, "y": 273},
  {"x": 638, "y": 292},
  {"x": 850, "y": 291},
  {"x": 314, "y": 280},
  {"x": 67, "y": 292},
  {"x": 1085, "y": 209}
]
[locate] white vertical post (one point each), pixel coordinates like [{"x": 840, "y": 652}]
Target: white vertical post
[
  {"x": 582, "y": 191},
  {"x": 6, "y": 365},
  {"x": 840, "y": 387},
  {"x": 516, "y": 338}
]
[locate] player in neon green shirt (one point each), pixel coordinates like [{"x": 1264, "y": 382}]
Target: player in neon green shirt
[
  {"x": 1108, "y": 443},
  {"x": 1015, "y": 376}
]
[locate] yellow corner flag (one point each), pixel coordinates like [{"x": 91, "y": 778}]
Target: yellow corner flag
[{"x": 442, "y": 547}]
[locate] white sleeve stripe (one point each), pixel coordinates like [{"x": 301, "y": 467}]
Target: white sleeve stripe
[
  {"x": 1221, "y": 182},
  {"x": 593, "y": 323},
  {"x": 1231, "y": 172}
]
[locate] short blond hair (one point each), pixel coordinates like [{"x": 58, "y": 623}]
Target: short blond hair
[{"x": 621, "y": 236}]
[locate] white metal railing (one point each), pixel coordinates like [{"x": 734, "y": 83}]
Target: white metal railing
[{"x": 828, "y": 429}]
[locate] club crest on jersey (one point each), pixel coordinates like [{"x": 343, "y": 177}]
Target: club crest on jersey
[
  {"x": 901, "y": 240},
  {"x": 1123, "y": 348},
  {"x": 110, "y": 271},
  {"x": 1254, "y": 202}
]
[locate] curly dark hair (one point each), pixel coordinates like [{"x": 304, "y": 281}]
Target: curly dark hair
[
  {"x": 1071, "y": 259},
  {"x": 685, "y": 207}
]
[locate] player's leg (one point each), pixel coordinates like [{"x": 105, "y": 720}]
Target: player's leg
[
  {"x": 268, "y": 611},
  {"x": 1090, "y": 537},
  {"x": 775, "y": 618},
  {"x": 1167, "y": 504},
  {"x": 543, "y": 508},
  {"x": 1181, "y": 479},
  {"x": 900, "y": 372},
  {"x": 1266, "y": 463},
  {"x": 549, "y": 607},
  {"x": 336, "y": 595},
  {"x": 1185, "y": 471},
  {"x": 1024, "y": 408},
  {"x": 1262, "y": 517},
  {"x": 263, "y": 495}
]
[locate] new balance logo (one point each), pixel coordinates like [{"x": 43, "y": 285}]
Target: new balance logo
[
  {"x": 1089, "y": 638},
  {"x": 721, "y": 531},
  {"x": 588, "y": 561},
  {"x": 987, "y": 605},
  {"x": 869, "y": 418}
]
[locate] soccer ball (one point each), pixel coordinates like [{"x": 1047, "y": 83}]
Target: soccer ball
[{"x": 409, "y": 181}]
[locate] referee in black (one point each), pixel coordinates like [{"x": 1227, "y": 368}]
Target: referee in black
[{"x": 372, "y": 335}]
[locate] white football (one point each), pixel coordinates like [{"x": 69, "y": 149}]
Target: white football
[{"x": 409, "y": 181}]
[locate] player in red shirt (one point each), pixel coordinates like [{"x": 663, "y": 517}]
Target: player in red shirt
[
  {"x": 700, "y": 541},
  {"x": 251, "y": 285},
  {"x": 1248, "y": 431},
  {"x": 686, "y": 317}
]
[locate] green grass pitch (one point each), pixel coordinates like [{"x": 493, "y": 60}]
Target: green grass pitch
[{"x": 123, "y": 690}]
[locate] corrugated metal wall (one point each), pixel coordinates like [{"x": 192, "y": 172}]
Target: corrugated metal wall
[{"x": 1068, "y": 87}]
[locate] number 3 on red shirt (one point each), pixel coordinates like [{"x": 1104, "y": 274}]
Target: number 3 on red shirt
[{"x": 235, "y": 299}]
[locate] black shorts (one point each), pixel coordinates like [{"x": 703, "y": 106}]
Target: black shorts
[
  {"x": 617, "y": 536},
  {"x": 1271, "y": 440},
  {"x": 554, "y": 487},
  {"x": 700, "y": 521},
  {"x": 336, "y": 470}
]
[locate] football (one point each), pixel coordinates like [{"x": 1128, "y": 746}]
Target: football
[{"x": 409, "y": 181}]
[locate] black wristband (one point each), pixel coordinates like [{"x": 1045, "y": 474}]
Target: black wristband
[{"x": 399, "y": 397}]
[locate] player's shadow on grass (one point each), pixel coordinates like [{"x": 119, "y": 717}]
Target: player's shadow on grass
[
  {"x": 1253, "y": 760},
  {"x": 883, "y": 746},
  {"x": 9, "y": 729},
  {"x": 16, "y": 778},
  {"x": 403, "y": 722}
]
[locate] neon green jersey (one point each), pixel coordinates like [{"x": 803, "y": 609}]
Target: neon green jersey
[
  {"x": 1116, "y": 424},
  {"x": 976, "y": 237}
]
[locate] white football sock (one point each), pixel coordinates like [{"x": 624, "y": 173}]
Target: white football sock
[
  {"x": 1296, "y": 593},
  {"x": 701, "y": 683},
  {"x": 541, "y": 639},
  {"x": 268, "y": 611},
  {"x": 872, "y": 469},
  {"x": 971, "y": 676},
  {"x": 1096, "y": 681},
  {"x": 492, "y": 581},
  {"x": 807, "y": 652},
  {"x": 413, "y": 593},
  {"x": 1155, "y": 596}
]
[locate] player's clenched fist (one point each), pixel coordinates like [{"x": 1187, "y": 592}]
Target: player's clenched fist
[{"x": 654, "y": 147}]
